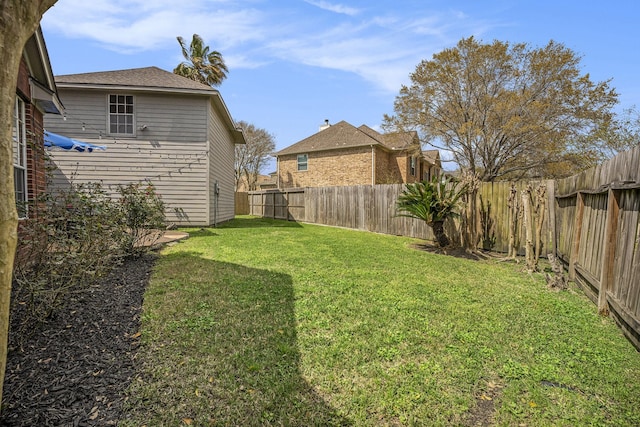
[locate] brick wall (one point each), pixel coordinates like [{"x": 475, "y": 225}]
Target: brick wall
[
  {"x": 327, "y": 168},
  {"x": 403, "y": 163},
  {"x": 387, "y": 169},
  {"x": 347, "y": 167},
  {"x": 36, "y": 170},
  {"x": 22, "y": 85}
]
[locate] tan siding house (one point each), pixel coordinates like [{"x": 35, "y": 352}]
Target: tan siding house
[
  {"x": 157, "y": 127},
  {"x": 342, "y": 154}
]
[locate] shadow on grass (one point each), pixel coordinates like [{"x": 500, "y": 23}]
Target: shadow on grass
[{"x": 220, "y": 348}]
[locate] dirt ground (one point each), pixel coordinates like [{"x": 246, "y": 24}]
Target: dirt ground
[{"x": 76, "y": 369}]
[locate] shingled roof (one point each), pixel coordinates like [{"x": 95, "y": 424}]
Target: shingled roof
[
  {"x": 148, "y": 77},
  {"x": 344, "y": 135},
  {"x": 432, "y": 156}
]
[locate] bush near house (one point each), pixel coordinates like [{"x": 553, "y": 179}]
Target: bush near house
[{"x": 70, "y": 240}]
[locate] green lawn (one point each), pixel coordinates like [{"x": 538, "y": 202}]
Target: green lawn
[{"x": 262, "y": 322}]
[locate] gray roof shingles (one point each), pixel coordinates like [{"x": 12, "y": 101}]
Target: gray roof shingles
[
  {"x": 148, "y": 77},
  {"x": 344, "y": 135}
]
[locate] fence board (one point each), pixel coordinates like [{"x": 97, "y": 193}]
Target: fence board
[{"x": 242, "y": 203}]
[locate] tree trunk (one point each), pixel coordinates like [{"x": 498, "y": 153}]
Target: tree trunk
[
  {"x": 514, "y": 209},
  {"x": 528, "y": 226},
  {"x": 541, "y": 198},
  {"x": 438, "y": 231},
  {"x": 19, "y": 19}
]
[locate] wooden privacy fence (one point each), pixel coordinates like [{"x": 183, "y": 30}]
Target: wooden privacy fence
[
  {"x": 590, "y": 223},
  {"x": 242, "y": 203},
  {"x": 373, "y": 208},
  {"x": 599, "y": 236}
]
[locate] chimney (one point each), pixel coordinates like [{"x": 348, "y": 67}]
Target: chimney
[{"x": 325, "y": 125}]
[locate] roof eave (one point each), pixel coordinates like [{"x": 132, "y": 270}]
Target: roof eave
[
  {"x": 285, "y": 152},
  {"x": 137, "y": 88}
]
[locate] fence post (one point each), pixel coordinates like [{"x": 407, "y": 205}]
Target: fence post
[
  {"x": 609, "y": 250},
  {"x": 576, "y": 235},
  {"x": 551, "y": 208}
]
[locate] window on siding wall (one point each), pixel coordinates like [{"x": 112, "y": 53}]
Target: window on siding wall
[
  {"x": 20, "y": 157},
  {"x": 121, "y": 117},
  {"x": 412, "y": 165},
  {"x": 302, "y": 162}
]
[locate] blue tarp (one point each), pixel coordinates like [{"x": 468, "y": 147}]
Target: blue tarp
[{"x": 53, "y": 140}]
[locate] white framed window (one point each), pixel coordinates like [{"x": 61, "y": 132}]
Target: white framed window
[
  {"x": 20, "y": 156},
  {"x": 303, "y": 160},
  {"x": 412, "y": 165},
  {"x": 121, "y": 115}
]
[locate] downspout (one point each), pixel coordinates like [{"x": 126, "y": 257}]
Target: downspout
[
  {"x": 216, "y": 193},
  {"x": 277, "y": 172},
  {"x": 373, "y": 165}
]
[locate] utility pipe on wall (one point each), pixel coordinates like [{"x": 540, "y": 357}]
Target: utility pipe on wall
[{"x": 373, "y": 165}]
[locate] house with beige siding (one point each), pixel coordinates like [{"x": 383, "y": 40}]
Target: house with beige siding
[
  {"x": 342, "y": 154},
  {"x": 156, "y": 126}
]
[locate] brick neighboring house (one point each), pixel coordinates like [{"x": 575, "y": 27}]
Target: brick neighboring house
[
  {"x": 36, "y": 95},
  {"x": 342, "y": 154}
]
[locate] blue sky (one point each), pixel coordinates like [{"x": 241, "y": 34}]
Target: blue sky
[{"x": 295, "y": 63}]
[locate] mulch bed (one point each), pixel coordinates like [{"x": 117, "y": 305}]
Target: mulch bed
[{"x": 76, "y": 369}]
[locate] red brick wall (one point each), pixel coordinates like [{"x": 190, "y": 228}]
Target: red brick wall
[
  {"x": 36, "y": 171},
  {"x": 22, "y": 85}
]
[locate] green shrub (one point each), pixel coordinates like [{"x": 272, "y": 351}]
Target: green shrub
[
  {"x": 142, "y": 214},
  {"x": 432, "y": 201},
  {"x": 72, "y": 238}
]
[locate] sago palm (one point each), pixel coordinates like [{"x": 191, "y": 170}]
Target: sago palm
[
  {"x": 200, "y": 64},
  {"x": 433, "y": 202}
]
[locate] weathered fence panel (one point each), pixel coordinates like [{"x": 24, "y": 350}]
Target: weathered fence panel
[
  {"x": 373, "y": 208},
  {"x": 598, "y": 227},
  {"x": 361, "y": 207},
  {"x": 278, "y": 204},
  {"x": 242, "y": 203}
]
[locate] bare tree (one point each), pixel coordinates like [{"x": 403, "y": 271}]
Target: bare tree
[
  {"x": 506, "y": 110},
  {"x": 19, "y": 19},
  {"x": 252, "y": 156}
]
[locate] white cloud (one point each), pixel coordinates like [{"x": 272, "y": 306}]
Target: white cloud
[
  {"x": 382, "y": 48},
  {"x": 336, "y": 8},
  {"x": 147, "y": 25}
]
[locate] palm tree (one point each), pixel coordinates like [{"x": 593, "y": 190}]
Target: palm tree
[
  {"x": 433, "y": 202},
  {"x": 200, "y": 64}
]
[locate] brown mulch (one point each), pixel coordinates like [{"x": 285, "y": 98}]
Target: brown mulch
[{"x": 76, "y": 369}]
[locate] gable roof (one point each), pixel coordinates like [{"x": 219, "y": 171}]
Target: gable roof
[
  {"x": 140, "y": 78},
  {"x": 401, "y": 140},
  {"x": 344, "y": 135},
  {"x": 340, "y": 135},
  {"x": 433, "y": 157},
  {"x": 150, "y": 79}
]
